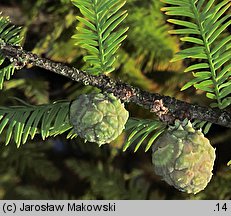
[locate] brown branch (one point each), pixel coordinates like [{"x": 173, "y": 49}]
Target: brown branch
[{"x": 166, "y": 108}]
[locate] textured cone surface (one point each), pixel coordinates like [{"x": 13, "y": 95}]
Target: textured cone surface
[
  {"x": 184, "y": 158},
  {"x": 98, "y": 117}
]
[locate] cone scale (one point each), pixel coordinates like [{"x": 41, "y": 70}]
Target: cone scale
[
  {"x": 98, "y": 117},
  {"x": 184, "y": 158}
]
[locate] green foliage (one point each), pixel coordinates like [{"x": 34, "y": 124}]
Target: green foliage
[
  {"x": 107, "y": 182},
  {"x": 99, "y": 35},
  {"x": 204, "y": 125},
  {"x": 57, "y": 43},
  {"x": 30, "y": 163},
  {"x": 36, "y": 90},
  {"x": 33, "y": 193},
  {"x": 8, "y": 34},
  {"x": 203, "y": 28},
  {"x": 24, "y": 121},
  {"x": 148, "y": 40},
  {"x": 141, "y": 130},
  {"x": 30, "y": 159}
]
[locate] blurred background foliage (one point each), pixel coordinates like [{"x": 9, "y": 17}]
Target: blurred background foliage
[{"x": 71, "y": 169}]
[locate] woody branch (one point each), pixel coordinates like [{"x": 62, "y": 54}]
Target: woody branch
[{"x": 166, "y": 108}]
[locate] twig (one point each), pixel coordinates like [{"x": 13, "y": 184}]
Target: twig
[{"x": 166, "y": 108}]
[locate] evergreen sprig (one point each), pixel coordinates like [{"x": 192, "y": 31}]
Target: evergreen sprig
[
  {"x": 148, "y": 42},
  {"x": 36, "y": 90},
  {"x": 203, "y": 125},
  {"x": 108, "y": 182},
  {"x": 143, "y": 130},
  {"x": 203, "y": 25},
  {"x": 29, "y": 159},
  {"x": 100, "y": 35},
  {"x": 8, "y": 34},
  {"x": 22, "y": 122}
]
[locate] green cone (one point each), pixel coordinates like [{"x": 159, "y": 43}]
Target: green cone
[
  {"x": 184, "y": 158},
  {"x": 98, "y": 117}
]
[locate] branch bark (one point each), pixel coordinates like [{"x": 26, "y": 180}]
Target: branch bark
[{"x": 168, "y": 109}]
